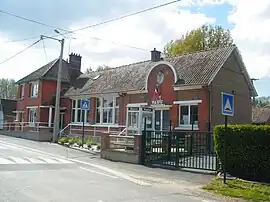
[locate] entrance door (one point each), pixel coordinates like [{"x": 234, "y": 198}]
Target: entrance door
[{"x": 162, "y": 120}]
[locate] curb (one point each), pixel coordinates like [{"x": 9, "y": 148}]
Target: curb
[{"x": 81, "y": 150}]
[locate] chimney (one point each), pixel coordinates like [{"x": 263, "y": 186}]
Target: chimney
[
  {"x": 155, "y": 55},
  {"x": 75, "y": 61}
]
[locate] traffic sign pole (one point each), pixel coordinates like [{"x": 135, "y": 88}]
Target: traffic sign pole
[
  {"x": 83, "y": 134},
  {"x": 225, "y": 150},
  {"x": 226, "y": 110}
]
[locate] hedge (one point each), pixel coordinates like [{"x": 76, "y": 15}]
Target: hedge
[{"x": 248, "y": 150}]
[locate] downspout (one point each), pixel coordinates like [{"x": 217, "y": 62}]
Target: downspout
[{"x": 209, "y": 89}]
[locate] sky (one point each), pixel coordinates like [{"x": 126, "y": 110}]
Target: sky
[{"x": 131, "y": 39}]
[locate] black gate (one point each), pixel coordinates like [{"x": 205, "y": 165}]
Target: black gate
[{"x": 179, "y": 149}]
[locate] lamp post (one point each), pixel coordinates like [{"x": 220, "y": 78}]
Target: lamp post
[{"x": 58, "y": 87}]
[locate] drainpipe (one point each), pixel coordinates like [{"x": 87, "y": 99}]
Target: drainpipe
[{"x": 209, "y": 89}]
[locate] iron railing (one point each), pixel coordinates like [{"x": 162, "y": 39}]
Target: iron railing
[{"x": 179, "y": 149}]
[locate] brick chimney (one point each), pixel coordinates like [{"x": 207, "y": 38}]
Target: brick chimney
[
  {"x": 155, "y": 55},
  {"x": 75, "y": 61}
]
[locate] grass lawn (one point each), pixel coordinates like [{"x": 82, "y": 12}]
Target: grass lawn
[{"x": 240, "y": 189}]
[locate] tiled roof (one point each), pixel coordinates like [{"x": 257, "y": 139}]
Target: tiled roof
[
  {"x": 50, "y": 71},
  {"x": 260, "y": 115},
  {"x": 8, "y": 106},
  {"x": 194, "y": 68}
]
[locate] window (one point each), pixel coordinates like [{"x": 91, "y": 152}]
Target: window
[
  {"x": 107, "y": 110},
  {"x": 79, "y": 115},
  {"x": 22, "y": 91},
  {"x": 32, "y": 117},
  {"x": 34, "y": 89},
  {"x": 188, "y": 114}
]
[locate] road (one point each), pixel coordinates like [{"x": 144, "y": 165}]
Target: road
[{"x": 33, "y": 171}]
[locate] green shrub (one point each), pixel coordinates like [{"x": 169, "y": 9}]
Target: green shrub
[
  {"x": 63, "y": 140},
  {"x": 248, "y": 150},
  {"x": 72, "y": 140}
]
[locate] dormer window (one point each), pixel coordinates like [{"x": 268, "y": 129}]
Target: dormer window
[{"x": 34, "y": 89}]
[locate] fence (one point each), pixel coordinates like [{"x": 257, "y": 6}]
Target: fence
[{"x": 179, "y": 149}]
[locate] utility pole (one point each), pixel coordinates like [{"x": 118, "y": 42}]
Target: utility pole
[
  {"x": 58, "y": 88},
  {"x": 57, "y": 99},
  {"x": 253, "y": 96}
]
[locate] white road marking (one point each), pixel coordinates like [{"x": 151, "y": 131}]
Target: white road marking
[
  {"x": 6, "y": 161},
  {"x": 49, "y": 160},
  {"x": 62, "y": 160},
  {"x": 34, "y": 160},
  {"x": 19, "y": 160},
  {"x": 93, "y": 171},
  {"x": 119, "y": 174}
]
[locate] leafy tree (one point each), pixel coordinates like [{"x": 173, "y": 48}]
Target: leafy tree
[
  {"x": 88, "y": 70},
  {"x": 8, "y": 88},
  {"x": 101, "y": 68},
  {"x": 262, "y": 102},
  {"x": 203, "y": 38}
]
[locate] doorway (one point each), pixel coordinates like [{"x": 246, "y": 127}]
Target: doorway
[{"x": 162, "y": 120}]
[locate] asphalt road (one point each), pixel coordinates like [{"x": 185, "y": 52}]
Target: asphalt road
[{"x": 38, "y": 172}]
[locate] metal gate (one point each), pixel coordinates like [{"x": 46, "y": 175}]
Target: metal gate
[
  {"x": 1, "y": 120},
  {"x": 179, "y": 149}
]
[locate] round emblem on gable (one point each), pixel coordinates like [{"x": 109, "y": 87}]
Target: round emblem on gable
[{"x": 160, "y": 77}]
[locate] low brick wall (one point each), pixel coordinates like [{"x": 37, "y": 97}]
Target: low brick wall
[
  {"x": 42, "y": 136},
  {"x": 120, "y": 154}
]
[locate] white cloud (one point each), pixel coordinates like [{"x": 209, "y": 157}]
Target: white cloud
[
  {"x": 252, "y": 34},
  {"x": 146, "y": 31}
]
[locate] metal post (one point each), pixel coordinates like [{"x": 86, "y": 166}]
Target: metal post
[
  {"x": 83, "y": 134},
  {"x": 225, "y": 150},
  {"x": 57, "y": 99}
]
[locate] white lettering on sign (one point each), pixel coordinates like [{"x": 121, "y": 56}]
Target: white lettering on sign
[{"x": 157, "y": 102}]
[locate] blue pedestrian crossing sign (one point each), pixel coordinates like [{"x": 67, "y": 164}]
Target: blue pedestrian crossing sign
[
  {"x": 85, "y": 104},
  {"x": 227, "y": 104}
]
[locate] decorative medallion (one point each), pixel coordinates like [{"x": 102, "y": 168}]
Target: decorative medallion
[{"x": 160, "y": 77}]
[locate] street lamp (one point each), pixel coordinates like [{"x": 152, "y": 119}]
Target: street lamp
[{"x": 58, "y": 87}]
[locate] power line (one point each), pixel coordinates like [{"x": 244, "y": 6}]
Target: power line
[
  {"x": 94, "y": 25},
  {"x": 19, "y": 52}
]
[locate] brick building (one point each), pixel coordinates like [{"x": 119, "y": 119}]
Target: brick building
[
  {"x": 36, "y": 94},
  {"x": 182, "y": 91}
]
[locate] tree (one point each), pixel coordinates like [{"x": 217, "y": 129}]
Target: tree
[
  {"x": 88, "y": 70},
  {"x": 101, "y": 68},
  {"x": 8, "y": 89},
  {"x": 203, "y": 38}
]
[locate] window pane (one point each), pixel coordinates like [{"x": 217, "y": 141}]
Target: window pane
[
  {"x": 82, "y": 116},
  {"x": 104, "y": 102},
  {"x": 78, "y": 116},
  {"x": 117, "y": 101},
  {"x": 97, "y": 102},
  {"x": 110, "y": 115},
  {"x": 98, "y": 116},
  {"x": 73, "y": 103},
  {"x": 116, "y": 115},
  {"x": 184, "y": 118},
  {"x": 79, "y": 104},
  {"x": 105, "y": 117},
  {"x": 87, "y": 116},
  {"x": 194, "y": 114},
  {"x": 73, "y": 115}
]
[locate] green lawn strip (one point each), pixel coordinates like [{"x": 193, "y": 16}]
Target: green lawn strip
[{"x": 240, "y": 189}]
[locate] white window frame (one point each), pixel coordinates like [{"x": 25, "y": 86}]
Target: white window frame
[
  {"x": 189, "y": 104},
  {"x": 22, "y": 91},
  {"x": 34, "y": 89},
  {"x": 32, "y": 122},
  {"x": 76, "y": 109},
  {"x": 101, "y": 108}
]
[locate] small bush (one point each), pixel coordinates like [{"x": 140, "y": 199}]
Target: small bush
[
  {"x": 72, "y": 140},
  {"x": 63, "y": 140},
  {"x": 98, "y": 146},
  {"x": 248, "y": 150}
]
